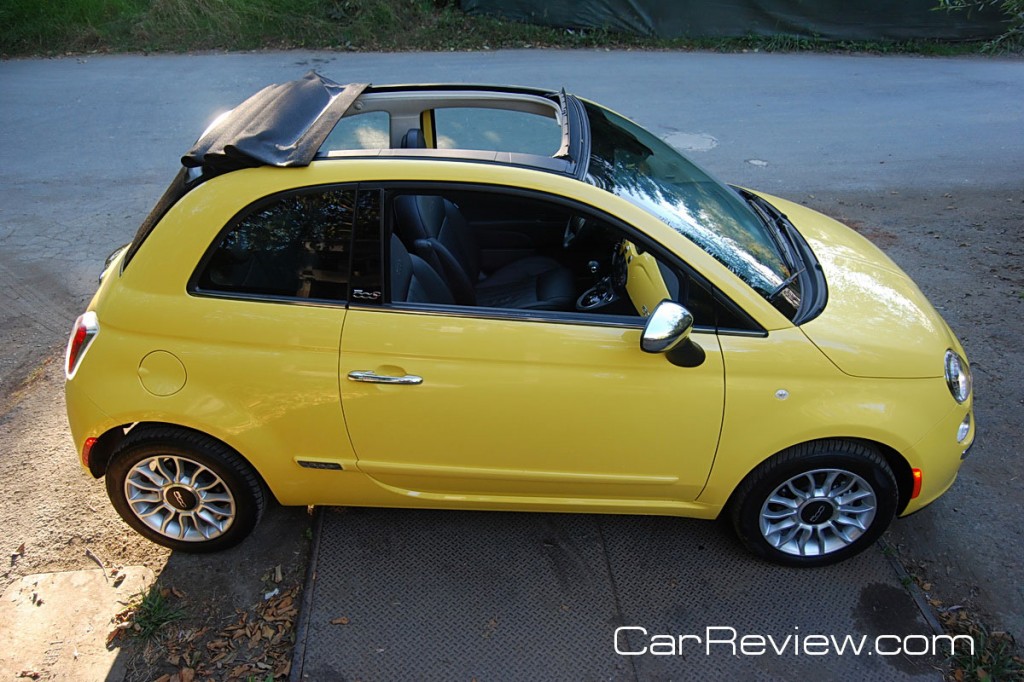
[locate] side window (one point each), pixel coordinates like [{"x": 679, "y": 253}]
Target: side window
[
  {"x": 296, "y": 246},
  {"x": 497, "y": 130},
  {"x": 504, "y": 251},
  {"x": 370, "y": 130}
]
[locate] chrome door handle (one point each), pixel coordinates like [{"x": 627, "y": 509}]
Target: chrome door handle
[{"x": 369, "y": 377}]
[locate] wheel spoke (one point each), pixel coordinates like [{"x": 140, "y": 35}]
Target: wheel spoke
[
  {"x": 160, "y": 467},
  {"x": 845, "y": 487},
  {"x": 804, "y": 536},
  {"x": 840, "y": 532},
  {"x": 799, "y": 494},
  {"x": 826, "y": 488},
  {"x": 783, "y": 501},
  {"x": 854, "y": 496}
]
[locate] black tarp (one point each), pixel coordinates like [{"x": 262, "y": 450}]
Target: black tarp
[{"x": 827, "y": 19}]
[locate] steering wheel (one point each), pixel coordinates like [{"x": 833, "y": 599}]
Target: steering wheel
[{"x": 573, "y": 229}]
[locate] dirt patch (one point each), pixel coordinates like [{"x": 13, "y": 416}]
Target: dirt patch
[
  {"x": 56, "y": 517},
  {"x": 965, "y": 249}
]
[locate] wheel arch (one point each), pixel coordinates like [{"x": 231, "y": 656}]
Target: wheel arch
[
  {"x": 901, "y": 469},
  {"x": 107, "y": 443}
]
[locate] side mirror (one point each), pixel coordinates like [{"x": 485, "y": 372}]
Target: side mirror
[{"x": 667, "y": 327}]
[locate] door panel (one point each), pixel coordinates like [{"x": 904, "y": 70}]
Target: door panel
[{"x": 526, "y": 409}]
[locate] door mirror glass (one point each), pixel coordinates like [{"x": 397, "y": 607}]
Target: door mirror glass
[{"x": 667, "y": 327}]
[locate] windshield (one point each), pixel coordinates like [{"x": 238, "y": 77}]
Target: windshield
[{"x": 634, "y": 164}]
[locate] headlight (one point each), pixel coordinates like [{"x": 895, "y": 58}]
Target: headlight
[{"x": 958, "y": 376}]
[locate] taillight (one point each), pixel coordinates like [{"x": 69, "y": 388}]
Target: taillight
[
  {"x": 87, "y": 450},
  {"x": 918, "y": 480},
  {"x": 87, "y": 326}
]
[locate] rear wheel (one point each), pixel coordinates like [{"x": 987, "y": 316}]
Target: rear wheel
[
  {"x": 816, "y": 504},
  {"x": 184, "y": 490}
]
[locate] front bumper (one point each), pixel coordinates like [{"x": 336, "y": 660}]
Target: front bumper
[{"x": 939, "y": 455}]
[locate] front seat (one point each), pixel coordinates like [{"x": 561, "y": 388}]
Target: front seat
[
  {"x": 440, "y": 235},
  {"x": 412, "y": 280}
]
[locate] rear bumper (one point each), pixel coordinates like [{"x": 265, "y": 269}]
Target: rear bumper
[{"x": 85, "y": 418}]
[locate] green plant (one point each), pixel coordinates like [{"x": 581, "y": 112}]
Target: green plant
[
  {"x": 994, "y": 656},
  {"x": 152, "y": 611},
  {"x": 30, "y": 27},
  {"x": 1013, "y": 38}
]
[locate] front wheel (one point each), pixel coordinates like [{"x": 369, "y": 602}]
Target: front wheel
[
  {"x": 815, "y": 504},
  {"x": 184, "y": 490}
]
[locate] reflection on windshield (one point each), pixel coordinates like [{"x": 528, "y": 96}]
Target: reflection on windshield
[{"x": 634, "y": 164}]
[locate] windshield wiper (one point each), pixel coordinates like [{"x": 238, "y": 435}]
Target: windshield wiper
[
  {"x": 786, "y": 283},
  {"x": 776, "y": 225}
]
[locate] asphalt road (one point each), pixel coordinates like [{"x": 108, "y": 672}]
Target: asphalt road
[{"x": 88, "y": 144}]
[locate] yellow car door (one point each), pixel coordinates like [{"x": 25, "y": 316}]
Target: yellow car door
[
  {"x": 498, "y": 409},
  {"x": 505, "y": 409}
]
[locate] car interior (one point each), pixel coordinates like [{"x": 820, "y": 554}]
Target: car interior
[{"x": 508, "y": 251}]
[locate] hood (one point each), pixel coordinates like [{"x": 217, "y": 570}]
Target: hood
[{"x": 877, "y": 322}]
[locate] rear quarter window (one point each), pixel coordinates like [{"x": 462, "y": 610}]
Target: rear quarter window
[{"x": 293, "y": 246}]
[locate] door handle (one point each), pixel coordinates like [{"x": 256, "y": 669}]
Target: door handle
[{"x": 369, "y": 377}]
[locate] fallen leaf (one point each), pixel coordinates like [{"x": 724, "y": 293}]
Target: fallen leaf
[{"x": 21, "y": 549}]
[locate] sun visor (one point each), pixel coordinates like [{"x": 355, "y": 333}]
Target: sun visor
[{"x": 281, "y": 125}]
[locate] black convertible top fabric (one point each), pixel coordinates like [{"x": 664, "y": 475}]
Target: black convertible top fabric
[{"x": 281, "y": 125}]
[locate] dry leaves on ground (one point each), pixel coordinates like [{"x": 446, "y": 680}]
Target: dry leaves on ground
[{"x": 258, "y": 643}]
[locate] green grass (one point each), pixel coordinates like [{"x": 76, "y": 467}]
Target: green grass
[
  {"x": 994, "y": 658},
  {"x": 152, "y": 612},
  {"x": 54, "y": 27}
]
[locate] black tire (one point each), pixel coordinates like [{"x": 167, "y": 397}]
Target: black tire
[
  {"x": 227, "y": 489},
  {"x": 824, "y": 531}
]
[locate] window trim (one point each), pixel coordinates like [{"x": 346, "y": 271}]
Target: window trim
[
  {"x": 393, "y": 187},
  {"x": 192, "y": 287}
]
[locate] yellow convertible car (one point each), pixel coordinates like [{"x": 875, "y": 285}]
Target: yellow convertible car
[{"x": 469, "y": 297}]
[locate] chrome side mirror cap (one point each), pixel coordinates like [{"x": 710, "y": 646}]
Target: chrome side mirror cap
[{"x": 667, "y": 327}]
